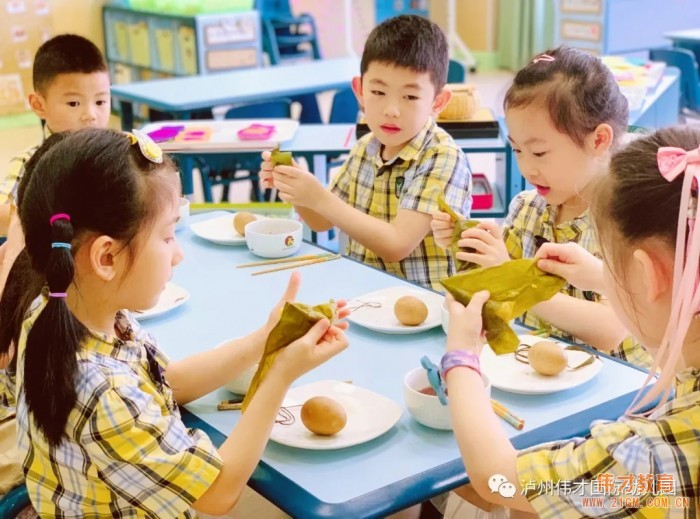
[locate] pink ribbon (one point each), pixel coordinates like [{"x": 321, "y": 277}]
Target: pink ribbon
[{"x": 674, "y": 161}]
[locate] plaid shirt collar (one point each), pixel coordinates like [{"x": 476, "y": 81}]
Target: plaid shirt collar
[
  {"x": 572, "y": 229},
  {"x": 123, "y": 345},
  {"x": 408, "y": 153}
]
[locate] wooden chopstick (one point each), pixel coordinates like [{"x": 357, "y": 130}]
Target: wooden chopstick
[
  {"x": 295, "y": 265},
  {"x": 508, "y": 416},
  {"x": 283, "y": 260}
]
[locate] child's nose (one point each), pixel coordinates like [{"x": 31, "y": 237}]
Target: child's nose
[
  {"x": 90, "y": 113},
  {"x": 391, "y": 109},
  {"x": 178, "y": 256}
]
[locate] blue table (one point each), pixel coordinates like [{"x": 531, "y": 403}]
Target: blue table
[
  {"x": 183, "y": 96},
  {"x": 408, "y": 464},
  {"x": 688, "y": 39}
]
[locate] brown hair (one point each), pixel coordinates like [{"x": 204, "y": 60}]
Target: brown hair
[
  {"x": 576, "y": 88},
  {"x": 411, "y": 42},
  {"x": 635, "y": 202}
]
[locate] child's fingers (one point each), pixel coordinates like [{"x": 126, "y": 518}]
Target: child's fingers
[
  {"x": 471, "y": 243},
  {"x": 478, "y": 300},
  {"x": 479, "y": 259},
  {"x": 491, "y": 227},
  {"x": 440, "y": 216},
  {"x": 481, "y": 235},
  {"x": 291, "y": 171},
  {"x": 293, "y": 285},
  {"x": 266, "y": 155}
]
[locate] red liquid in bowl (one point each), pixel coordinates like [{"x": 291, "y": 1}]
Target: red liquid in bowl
[{"x": 429, "y": 391}]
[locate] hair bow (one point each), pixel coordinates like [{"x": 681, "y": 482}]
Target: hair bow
[
  {"x": 148, "y": 147},
  {"x": 673, "y": 161},
  {"x": 543, "y": 57}
]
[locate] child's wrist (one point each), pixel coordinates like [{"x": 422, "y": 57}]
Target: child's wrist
[{"x": 459, "y": 359}]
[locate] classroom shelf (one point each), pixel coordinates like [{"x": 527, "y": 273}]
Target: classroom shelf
[{"x": 141, "y": 45}]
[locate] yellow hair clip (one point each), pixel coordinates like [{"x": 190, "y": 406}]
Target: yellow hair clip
[{"x": 148, "y": 148}]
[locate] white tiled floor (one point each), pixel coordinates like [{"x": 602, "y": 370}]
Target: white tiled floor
[{"x": 491, "y": 88}]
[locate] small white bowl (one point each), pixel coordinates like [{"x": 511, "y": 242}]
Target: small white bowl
[
  {"x": 427, "y": 409},
  {"x": 241, "y": 383},
  {"x": 445, "y": 316},
  {"x": 275, "y": 238},
  {"x": 184, "y": 211}
]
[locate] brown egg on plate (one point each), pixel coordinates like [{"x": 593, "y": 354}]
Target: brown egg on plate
[
  {"x": 410, "y": 310},
  {"x": 240, "y": 220},
  {"x": 546, "y": 358},
  {"x": 323, "y": 415}
]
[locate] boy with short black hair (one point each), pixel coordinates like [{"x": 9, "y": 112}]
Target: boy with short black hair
[
  {"x": 71, "y": 91},
  {"x": 385, "y": 193}
]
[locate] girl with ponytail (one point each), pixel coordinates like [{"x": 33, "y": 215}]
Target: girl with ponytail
[{"x": 98, "y": 426}]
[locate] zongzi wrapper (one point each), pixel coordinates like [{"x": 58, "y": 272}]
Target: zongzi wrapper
[
  {"x": 461, "y": 225},
  {"x": 283, "y": 158},
  {"x": 295, "y": 321},
  {"x": 515, "y": 287}
]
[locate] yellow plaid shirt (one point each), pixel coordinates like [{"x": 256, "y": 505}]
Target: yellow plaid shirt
[
  {"x": 127, "y": 454},
  {"x": 530, "y": 221},
  {"x": 9, "y": 185},
  {"x": 642, "y": 458},
  {"x": 7, "y": 394},
  {"x": 430, "y": 164}
]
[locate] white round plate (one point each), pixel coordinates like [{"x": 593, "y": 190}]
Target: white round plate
[
  {"x": 369, "y": 416},
  {"x": 508, "y": 374},
  {"x": 172, "y": 297},
  {"x": 382, "y": 318},
  {"x": 220, "y": 230}
]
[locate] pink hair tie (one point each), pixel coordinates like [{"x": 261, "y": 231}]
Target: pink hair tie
[
  {"x": 59, "y": 295},
  {"x": 543, "y": 57},
  {"x": 59, "y": 216}
]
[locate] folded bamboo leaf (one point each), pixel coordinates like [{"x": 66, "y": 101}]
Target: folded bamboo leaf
[
  {"x": 283, "y": 158},
  {"x": 445, "y": 208},
  {"x": 460, "y": 227},
  {"x": 295, "y": 321},
  {"x": 515, "y": 287}
]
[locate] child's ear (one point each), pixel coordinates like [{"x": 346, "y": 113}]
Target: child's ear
[
  {"x": 357, "y": 89},
  {"x": 36, "y": 102},
  {"x": 441, "y": 100},
  {"x": 656, "y": 270},
  {"x": 101, "y": 257},
  {"x": 601, "y": 139}
]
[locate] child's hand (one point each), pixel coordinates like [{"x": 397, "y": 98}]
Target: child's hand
[
  {"x": 297, "y": 186},
  {"x": 443, "y": 226},
  {"x": 266, "y": 171},
  {"x": 487, "y": 241},
  {"x": 465, "y": 331},
  {"x": 320, "y": 343},
  {"x": 574, "y": 263}
]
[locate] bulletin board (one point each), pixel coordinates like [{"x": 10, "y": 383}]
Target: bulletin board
[
  {"x": 622, "y": 26},
  {"x": 24, "y": 26}
]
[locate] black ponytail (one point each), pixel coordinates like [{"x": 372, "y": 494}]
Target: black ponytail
[{"x": 50, "y": 367}]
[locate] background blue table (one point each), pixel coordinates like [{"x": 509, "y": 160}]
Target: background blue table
[
  {"x": 183, "y": 96},
  {"x": 405, "y": 466}
]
